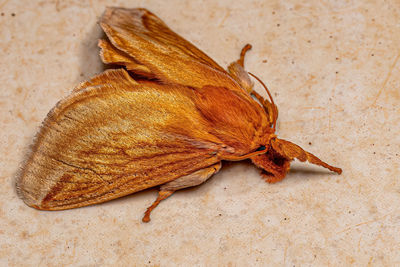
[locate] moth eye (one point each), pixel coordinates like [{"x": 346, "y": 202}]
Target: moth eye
[{"x": 261, "y": 148}]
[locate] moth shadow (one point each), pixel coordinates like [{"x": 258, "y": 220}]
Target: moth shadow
[
  {"x": 309, "y": 171},
  {"x": 220, "y": 177},
  {"x": 150, "y": 194},
  {"x": 89, "y": 54}
]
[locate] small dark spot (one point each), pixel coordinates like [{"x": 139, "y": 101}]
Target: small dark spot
[
  {"x": 277, "y": 25},
  {"x": 220, "y": 214},
  {"x": 261, "y": 148},
  {"x": 374, "y": 153},
  {"x": 349, "y": 211},
  {"x": 149, "y": 261},
  {"x": 264, "y": 61},
  {"x": 373, "y": 20},
  {"x": 337, "y": 58},
  {"x": 330, "y": 36},
  {"x": 285, "y": 219},
  {"x": 372, "y": 55},
  {"x": 310, "y": 143},
  {"x": 336, "y": 72},
  {"x": 224, "y": 188},
  {"x": 81, "y": 74},
  {"x": 292, "y": 61},
  {"x": 308, "y": 41},
  {"x": 2, "y": 13},
  {"x": 13, "y": 14},
  {"x": 273, "y": 12}
]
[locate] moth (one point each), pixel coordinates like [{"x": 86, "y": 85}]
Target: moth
[{"x": 167, "y": 115}]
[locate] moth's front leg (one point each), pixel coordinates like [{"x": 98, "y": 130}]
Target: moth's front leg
[
  {"x": 195, "y": 178},
  {"x": 269, "y": 108},
  {"x": 274, "y": 167},
  {"x": 238, "y": 73}
]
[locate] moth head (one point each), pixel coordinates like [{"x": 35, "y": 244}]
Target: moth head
[{"x": 273, "y": 164}]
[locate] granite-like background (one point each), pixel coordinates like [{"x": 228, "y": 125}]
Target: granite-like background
[{"x": 333, "y": 67}]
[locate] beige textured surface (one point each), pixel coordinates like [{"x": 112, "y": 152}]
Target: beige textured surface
[{"x": 334, "y": 69}]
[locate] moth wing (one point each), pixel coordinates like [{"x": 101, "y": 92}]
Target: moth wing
[
  {"x": 146, "y": 46},
  {"x": 112, "y": 137}
]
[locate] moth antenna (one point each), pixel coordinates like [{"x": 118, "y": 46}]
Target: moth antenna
[{"x": 270, "y": 97}]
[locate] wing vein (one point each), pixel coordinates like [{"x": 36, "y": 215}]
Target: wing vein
[{"x": 81, "y": 168}]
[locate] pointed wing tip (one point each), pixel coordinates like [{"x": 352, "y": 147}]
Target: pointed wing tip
[
  {"x": 29, "y": 189},
  {"x": 29, "y": 199},
  {"x": 22, "y": 183}
]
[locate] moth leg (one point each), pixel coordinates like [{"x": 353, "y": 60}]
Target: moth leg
[
  {"x": 246, "y": 48},
  {"x": 273, "y": 178},
  {"x": 161, "y": 196},
  {"x": 237, "y": 72},
  {"x": 269, "y": 108},
  {"x": 167, "y": 189},
  {"x": 273, "y": 166}
]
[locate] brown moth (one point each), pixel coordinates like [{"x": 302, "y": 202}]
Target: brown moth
[{"x": 166, "y": 117}]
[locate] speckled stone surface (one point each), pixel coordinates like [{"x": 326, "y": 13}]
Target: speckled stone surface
[{"x": 333, "y": 67}]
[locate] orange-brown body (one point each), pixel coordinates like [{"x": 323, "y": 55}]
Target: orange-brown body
[{"x": 167, "y": 118}]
